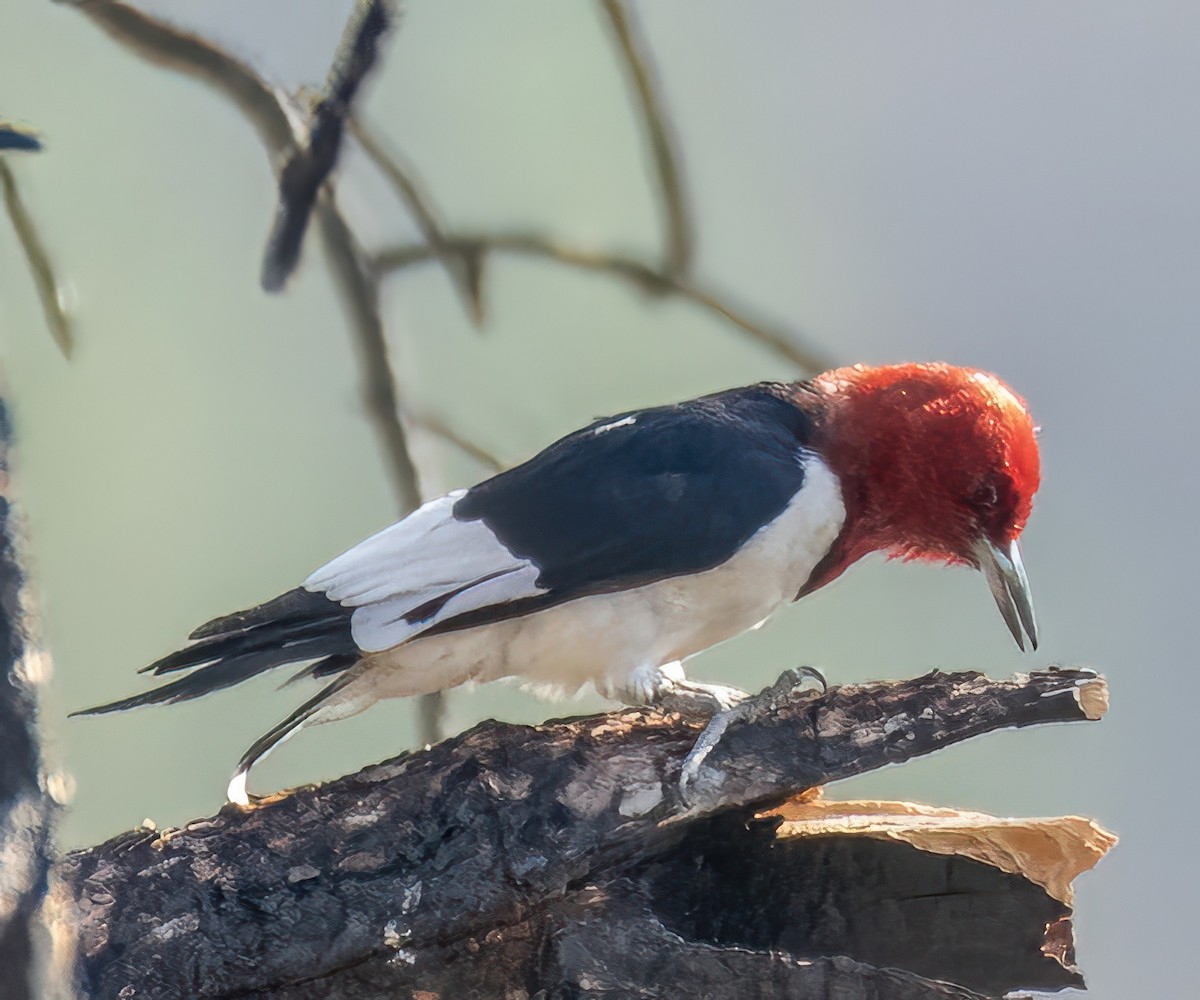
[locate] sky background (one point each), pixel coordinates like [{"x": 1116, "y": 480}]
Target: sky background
[{"x": 1012, "y": 186}]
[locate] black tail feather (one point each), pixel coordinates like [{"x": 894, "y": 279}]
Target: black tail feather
[
  {"x": 260, "y": 637},
  {"x": 330, "y": 665},
  {"x": 297, "y": 605},
  {"x": 296, "y": 627},
  {"x": 333, "y": 665}
]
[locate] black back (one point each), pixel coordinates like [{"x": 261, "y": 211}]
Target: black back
[{"x": 677, "y": 490}]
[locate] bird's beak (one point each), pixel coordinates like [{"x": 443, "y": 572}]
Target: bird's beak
[{"x": 1010, "y": 587}]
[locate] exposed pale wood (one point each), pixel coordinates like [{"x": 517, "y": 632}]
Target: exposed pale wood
[{"x": 1050, "y": 852}]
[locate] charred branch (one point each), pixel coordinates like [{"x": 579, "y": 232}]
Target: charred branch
[{"x": 562, "y": 858}]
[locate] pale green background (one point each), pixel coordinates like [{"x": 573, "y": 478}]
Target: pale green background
[{"x": 1012, "y": 185}]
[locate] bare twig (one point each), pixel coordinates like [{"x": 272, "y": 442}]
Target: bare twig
[
  {"x": 439, "y": 428},
  {"x": 358, "y": 50},
  {"x": 360, "y": 295},
  {"x": 267, "y": 108},
  {"x": 677, "y": 254},
  {"x": 308, "y": 168},
  {"x": 48, "y": 288},
  {"x": 403, "y": 179},
  {"x": 172, "y": 48},
  {"x": 360, "y": 292},
  {"x": 629, "y": 268},
  {"x": 17, "y": 137},
  {"x": 465, "y": 270}
]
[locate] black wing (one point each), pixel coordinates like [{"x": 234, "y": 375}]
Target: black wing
[{"x": 644, "y": 496}]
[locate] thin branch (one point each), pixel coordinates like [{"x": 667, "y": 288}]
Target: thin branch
[
  {"x": 465, "y": 270},
  {"x": 677, "y": 254},
  {"x": 309, "y": 167},
  {"x": 359, "y": 292},
  {"x": 439, "y": 428},
  {"x": 267, "y": 109},
  {"x": 402, "y": 177},
  {"x": 17, "y": 137},
  {"x": 358, "y": 50},
  {"x": 172, "y": 48},
  {"x": 637, "y": 272},
  {"x": 357, "y": 54},
  {"x": 48, "y": 288}
]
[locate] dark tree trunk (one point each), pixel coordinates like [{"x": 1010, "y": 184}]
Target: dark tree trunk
[{"x": 25, "y": 810}]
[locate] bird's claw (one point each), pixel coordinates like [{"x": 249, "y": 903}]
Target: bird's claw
[
  {"x": 672, "y": 692},
  {"x": 705, "y": 743},
  {"x": 794, "y": 679},
  {"x": 790, "y": 682}
]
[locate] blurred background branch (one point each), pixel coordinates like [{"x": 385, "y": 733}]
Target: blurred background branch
[
  {"x": 13, "y": 136},
  {"x": 49, "y": 290},
  {"x": 309, "y": 152},
  {"x": 643, "y": 276},
  {"x": 434, "y": 425},
  {"x": 314, "y": 158},
  {"x": 166, "y": 45},
  {"x": 678, "y": 235},
  {"x": 464, "y": 266},
  {"x": 360, "y": 294},
  {"x": 306, "y": 153},
  {"x": 27, "y": 810}
]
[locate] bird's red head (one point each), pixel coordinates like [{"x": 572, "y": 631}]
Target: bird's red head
[{"x": 935, "y": 462}]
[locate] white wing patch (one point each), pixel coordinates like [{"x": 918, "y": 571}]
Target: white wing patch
[{"x": 426, "y": 556}]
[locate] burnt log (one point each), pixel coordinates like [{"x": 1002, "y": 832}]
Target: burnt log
[{"x": 561, "y": 861}]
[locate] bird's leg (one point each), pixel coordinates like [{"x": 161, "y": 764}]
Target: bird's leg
[
  {"x": 667, "y": 687},
  {"x": 750, "y": 707}
]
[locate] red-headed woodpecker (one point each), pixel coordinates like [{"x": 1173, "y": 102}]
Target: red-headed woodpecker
[{"x": 644, "y": 538}]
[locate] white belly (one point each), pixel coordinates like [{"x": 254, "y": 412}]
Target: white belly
[{"x": 606, "y": 637}]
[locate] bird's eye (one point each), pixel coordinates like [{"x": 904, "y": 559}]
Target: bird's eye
[{"x": 985, "y": 495}]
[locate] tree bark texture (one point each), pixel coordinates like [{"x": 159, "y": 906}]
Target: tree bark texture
[
  {"x": 25, "y": 809},
  {"x": 561, "y": 861}
]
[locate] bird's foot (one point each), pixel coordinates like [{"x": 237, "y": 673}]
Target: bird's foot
[
  {"x": 749, "y": 707},
  {"x": 694, "y": 698},
  {"x": 667, "y": 687}
]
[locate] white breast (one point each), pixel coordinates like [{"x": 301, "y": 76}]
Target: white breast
[{"x": 606, "y": 637}]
